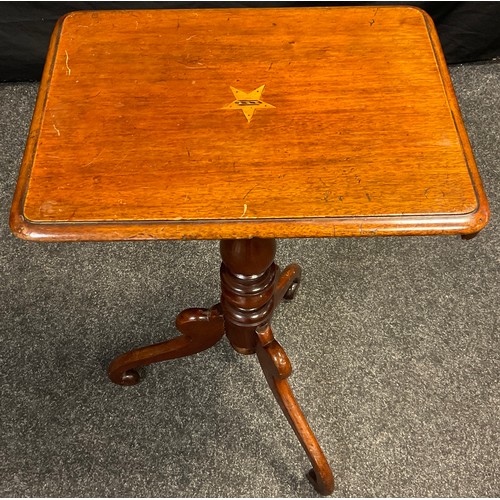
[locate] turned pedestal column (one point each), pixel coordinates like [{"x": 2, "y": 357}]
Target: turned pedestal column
[{"x": 251, "y": 288}]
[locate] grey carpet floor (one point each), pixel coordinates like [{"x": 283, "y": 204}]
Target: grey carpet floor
[{"x": 394, "y": 342}]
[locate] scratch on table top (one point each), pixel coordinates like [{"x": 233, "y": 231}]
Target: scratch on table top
[
  {"x": 244, "y": 210},
  {"x": 93, "y": 159},
  {"x": 199, "y": 65},
  {"x": 372, "y": 21},
  {"x": 249, "y": 191},
  {"x": 56, "y": 129},
  {"x": 68, "y": 69}
]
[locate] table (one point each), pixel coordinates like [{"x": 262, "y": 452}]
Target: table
[{"x": 246, "y": 125}]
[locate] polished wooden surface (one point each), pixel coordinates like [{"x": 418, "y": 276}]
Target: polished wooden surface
[{"x": 246, "y": 122}]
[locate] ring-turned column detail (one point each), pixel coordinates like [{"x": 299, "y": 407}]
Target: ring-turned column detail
[{"x": 248, "y": 282}]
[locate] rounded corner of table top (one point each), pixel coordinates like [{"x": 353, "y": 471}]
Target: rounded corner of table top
[
  {"x": 71, "y": 15},
  {"x": 417, "y": 11},
  {"x": 19, "y": 226},
  {"x": 478, "y": 219}
]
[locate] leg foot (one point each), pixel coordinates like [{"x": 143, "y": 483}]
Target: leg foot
[
  {"x": 276, "y": 367},
  {"x": 129, "y": 377},
  {"x": 469, "y": 236},
  {"x": 288, "y": 283},
  {"x": 199, "y": 328}
]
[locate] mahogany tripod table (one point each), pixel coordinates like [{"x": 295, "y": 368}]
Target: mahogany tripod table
[{"x": 246, "y": 125}]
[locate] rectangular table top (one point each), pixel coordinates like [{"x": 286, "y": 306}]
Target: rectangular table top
[{"x": 234, "y": 123}]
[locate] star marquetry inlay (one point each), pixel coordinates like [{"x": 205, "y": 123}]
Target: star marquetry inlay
[{"x": 248, "y": 102}]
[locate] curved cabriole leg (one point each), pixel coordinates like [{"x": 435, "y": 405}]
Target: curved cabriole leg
[
  {"x": 288, "y": 282},
  {"x": 276, "y": 367},
  {"x": 199, "y": 328}
]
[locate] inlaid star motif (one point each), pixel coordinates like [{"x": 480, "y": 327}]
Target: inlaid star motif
[{"x": 248, "y": 102}]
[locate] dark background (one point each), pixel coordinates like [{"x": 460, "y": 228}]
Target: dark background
[{"x": 469, "y": 31}]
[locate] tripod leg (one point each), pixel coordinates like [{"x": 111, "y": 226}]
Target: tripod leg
[
  {"x": 199, "y": 328},
  {"x": 276, "y": 367}
]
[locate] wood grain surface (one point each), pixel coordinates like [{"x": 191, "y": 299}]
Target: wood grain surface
[{"x": 134, "y": 135}]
